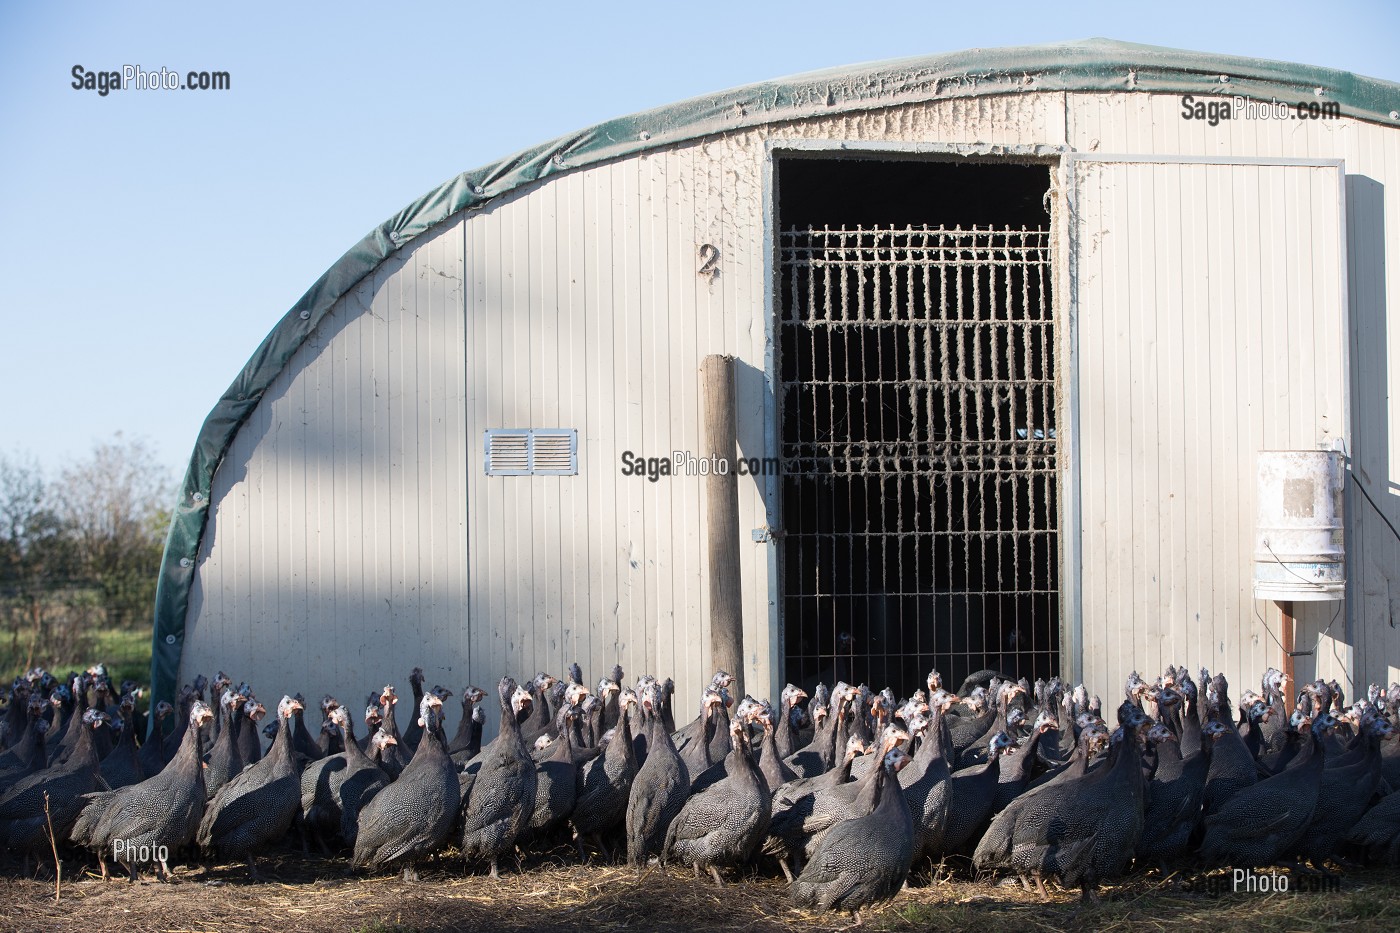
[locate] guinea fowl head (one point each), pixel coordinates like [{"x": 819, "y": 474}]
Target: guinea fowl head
[
  {"x": 916, "y": 723},
  {"x": 521, "y": 701},
  {"x": 1001, "y": 742},
  {"x": 628, "y": 697},
  {"x": 722, "y": 679},
  {"x": 415, "y": 677},
  {"x": 1160, "y": 733},
  {"x": 543, "y": 682},
  {"x": 254, "y": 710},
  {"x": 221, "y": 683},
  {"x": 1015, "y": 717},
  {"x": 942, "y": 700},
  {"x": 1046, "y": 721},
  {"x": 1214, "y": 729},
  {"x": 747, "y": 710},
  {"x": 855, "y": 748},
  {"x": 288, "y": 707},
  {"x": 328, "y": 703},
  {"x": 429, "y": 710},
  {"x": 791, "y": 696},
  {"x": 475, "y": 694},
  {"x": 1260, "y": 712},
  {"x": 270, "y": 730},
  {"x": 200, "y": 683},
  {"x": 738, "y": 738},
  {"x": 387, "y": 696},
  {"x": 605, "y": 688},
  {"x": 35, "y": 707},
  {"x": 710, "y": 702},
  {"x": 890, "y": 738},
  {"x": 441, "y": 692},
  {"x": 341, "y": 718},
  {"x": 200, "y": 714},
  {"x": 574, "y": 694},
  {"x": 380, "y": 741},
  {"x": 575, "y": 673},
  {"x": 95, "y": 718},
  {"x": 894, "y": 761},
  {"x": 934, "y": 681}
]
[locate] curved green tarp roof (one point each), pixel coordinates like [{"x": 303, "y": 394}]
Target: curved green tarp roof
[{"x": 1088, "y": 65}]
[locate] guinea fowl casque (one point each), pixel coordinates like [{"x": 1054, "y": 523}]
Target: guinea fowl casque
[
  {"x": 413, "y": 816},
  {"x": 863, "y": 861},
  {"x": 259, "y": 805},
  {"x": 155, "y": 817},
  {"x": 502, "y": 796},
  {"x": 725, "y": 823}
]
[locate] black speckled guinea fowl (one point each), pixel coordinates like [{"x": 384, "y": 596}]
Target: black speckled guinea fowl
[
  {"x": 1083, "y": 830},
  {"x": 660, "y": 788},
  {"x": 335, "y": 789},
  {"x": 260, "y": 804},
  {"x": 502, "y": 796},
  {"x": 23, "y": 821},
  {"x": 1266, "y": 820},
  {"x": 225, "y": 760},
  {"x": 725, "y": 823},
  {"x": 605, "y": 783},
  {"x": 1377, "y": 833},
  {"x": 122, "y": 766},
  {"x": 467, "y": 741},
  {"x": 413, "y": 816},
  {"x": 155, "y": 817},
  {"x": 1173, "y": 808},
  {"x": 865, "y": 860}
]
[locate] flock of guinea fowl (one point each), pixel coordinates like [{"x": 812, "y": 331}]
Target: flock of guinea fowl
[{"x": 846, "y": 791}]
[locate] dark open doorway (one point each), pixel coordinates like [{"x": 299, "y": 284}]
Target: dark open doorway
[{"x": 917, "y": 404}]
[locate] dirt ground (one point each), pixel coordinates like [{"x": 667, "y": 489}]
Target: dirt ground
[{"x": 557, "y": 893}]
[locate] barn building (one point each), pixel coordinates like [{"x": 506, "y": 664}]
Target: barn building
[{"x": 995, "y": 342}]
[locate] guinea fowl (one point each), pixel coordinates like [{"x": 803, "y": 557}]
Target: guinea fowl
[
  {"x": 152, "y": 753},
  {"x": 409, "y": 740},
  {"x": 1232, "y": 767},
  {"x": 394, "y": 757},
  {"x": 1344, "y": 794},
  {"x": 1083, "y": 830},
  {"x": 927, "y": 780},
  {"x": 794, "y": 802},
  {"x": 1018, "y": 766},
  {"x": 414, "y": 815},
  {"x": 863, "y": 861},
  {"x": 225, "y": 761},
  {"x": 30, "y": 751},
  {"x": 556, "y": 779},
  {"x": 258, "y": 806},
  {"x": 302, "y": 742},
  {"x": 776, "y": 773},
  {"x": 977, "y": 751},
  {"x": 1174, "y": 793},
  {"x": 538, "y": 723},
  {"x": 155, "y": 817},
  {"x": 1377, "y": 833},
  {"x": 24, "y": 816},
  {"x": 502, "y": 796},
  {"x": 122, "y": 766},
  {"x": 693, "y": 743},
  {"x": 660, "y": 788},
  {"x": 785, "y": 735},
  {"x": 467, "y": 741},
  {"x": 1268, "y": 819},
  {"x": 973, "y": 795},
  {"x": 335, "y": 789},
  {"x": 605, "y": 783},
  {"x": 820, "y": 754},
  {"x": 725, "y": 823}
]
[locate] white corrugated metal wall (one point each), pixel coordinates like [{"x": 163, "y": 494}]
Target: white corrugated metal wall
[{"x": 579, "y": 305}]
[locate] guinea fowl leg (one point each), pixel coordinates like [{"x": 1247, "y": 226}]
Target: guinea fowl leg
[
  {"x": 782, "y": 863},
  {"x": 252, "y": 868},
  {"x": 1040, "y": 886},
  {"x": 714, "y": 873},
  {"x": 494, "y": 873},
  {"x": 410, "y": 873}
]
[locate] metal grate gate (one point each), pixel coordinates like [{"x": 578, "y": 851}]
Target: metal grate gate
[{"x": 916, "y": 370}]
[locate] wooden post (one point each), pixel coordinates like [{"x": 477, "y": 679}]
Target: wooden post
[
  {"x": 1290, "y": 689},
  {"x": 722, "y": 519}
]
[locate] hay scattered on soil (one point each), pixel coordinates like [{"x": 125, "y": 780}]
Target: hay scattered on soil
[{"x": 556, "y": 893}]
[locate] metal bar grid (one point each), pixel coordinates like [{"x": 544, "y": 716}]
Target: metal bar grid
[{"x": 916, "y": 385}]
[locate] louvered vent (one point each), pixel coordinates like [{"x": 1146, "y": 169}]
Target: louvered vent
[{"x": 532, "y": 452}]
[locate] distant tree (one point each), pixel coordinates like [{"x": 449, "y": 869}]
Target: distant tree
[
  {"x": 113, "y": 508},
  {"x": 34, "y": 552}
]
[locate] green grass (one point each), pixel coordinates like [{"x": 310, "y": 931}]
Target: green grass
[{"x": 126, "y": 652}]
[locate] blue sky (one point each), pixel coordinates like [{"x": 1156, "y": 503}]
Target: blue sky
[{"x": 151, "y": 239}]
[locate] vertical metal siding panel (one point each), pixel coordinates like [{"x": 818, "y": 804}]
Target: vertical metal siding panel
[
  {"x": 1142, "y": 359},
  {"x": 576, "y": 532},
  {"x": 543, "y": 638},
  {"x": 629, "y": 394},
  {"x": 606, "y": 490},
  {"x": 653, "y": 373},
  {"x": 1092, "y": 344}
]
